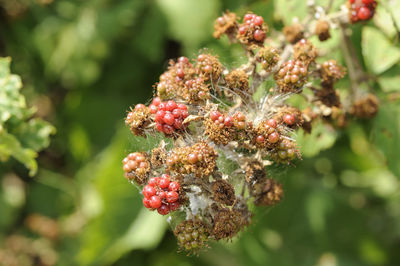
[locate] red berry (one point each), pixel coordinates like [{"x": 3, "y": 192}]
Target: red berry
[
  {"x": 162, "y": 106},
  {"x": 148, "y": 191},
  {"x": 163, "y": 209},
  {"x": 248, "y": 17},
  {"x": 242, "y": 30},
  {"x": 153, "y": 108},
  {"x": 140, "y": 106},
  {"x": 214, "y": 115},
  {"x": 272, "y": 123},
  {"x": 180, "y": 73},
  {"x": 163, "y": 182},
  {"x": 153, "y": 181},
  {"x": 258, "y": 21},
  {"x": 171, "y": 105},
  {"x": 174, "y": 205},
  {"x": 228, "y": 121},
  {"x": 156, "y": 101},
  {"x": 183, "y": 60},
  {"x": 364, "y": 13},
  {"x": 259, "y": 35},
  {"x": 155, "y": 202},
  {"x": 162, "y": 194},
  {"x": 185, "y": 114},
  {"x": 174, "y": 186},
  {"x": 273, "y": 137},
  {"x": 368, "y": 2},
  {"x": 177, "y": 113},
  {"x": 260, "y": 139},
  {"x": 159, "y": 127},
  {"x": 289, "y": 119},
  {"x": 146, "y": 203},
  {"x": 159, "y": 116},
  {"x": 178, "y": 123},
  {"x": 169, "y": 118},
  {"x": 167, "y": 129},
  {"x": 172, "y": 196},
  {"x": 183, "y": 107}
]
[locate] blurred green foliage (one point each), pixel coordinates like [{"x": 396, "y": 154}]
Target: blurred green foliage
[{"x": 84, "y": 63}]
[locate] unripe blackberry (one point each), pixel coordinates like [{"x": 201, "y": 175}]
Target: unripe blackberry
[
  {"x": 192, "y": 235},
  {"x": 366, "y": 107},
  {"x": 361, "y": 10},
  {"x": 238, "y": 81},
  {"x": 268, "y": 192},
  {"x": 169, "y": 117},
  {"x": 208, "y": 67},
  {"x": 322, "y": 30},
  {"x": 252, "y": 31},
  {"x": 285, "y": 152},
  {"x": 195, "y": 90},
  {"x": 291, "y": 76},
  {"x": 266, "y": 135},
  {"x": 289, "y": 117},
  {"x": 268, "y": 57},
  {"x": 331, "y": 71},
  {"x": 304, "y": 51},
  {"x": 199, "y": 159},
  {"x": 138, "y": 119},
  {"x": 226, "y": 24},
  {"x": 136, "y": 167},
  {"x": 223, "y": 192},
  {"x": 293, "y": 33}
]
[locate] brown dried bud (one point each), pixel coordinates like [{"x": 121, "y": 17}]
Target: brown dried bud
[
  {"x": 267, "y": 193},
  {"x": 226, "y": 24},
  {"x": 293, "y": 33},
  {"x": 331, "y": 72},
  {"x": 223, "y": 192},
  {"x": 255, "y": 171},
  {"x": 43, "y": 226},
  {"x": 138, "y": 119},
  {"x": 227, "y": 223},
  {"x": 238, "y": 81},
  {"x": 304, "y": 51},
  {"x": 268, "y": 57},
  {"x": 328, "y": 96},
  {"x": 366, "y": 107},
  {"x": 322, "y": 30},
  {"x": 208, "y": 67}
]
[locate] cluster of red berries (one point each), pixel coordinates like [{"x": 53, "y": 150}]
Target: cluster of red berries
[
  {"x": 237, "y": 120},
  {"x": 253, "y": 23},
  {"x": 361, "y": 10},
  {"x": 136, "y": 166},
  {"x": 169, "y": 116},
  {"x": 209, "y": 67},
  {"x": 267, "y": 134},
  {"x": 162, "y": 194},
  {"x": 291, "y": 76}
]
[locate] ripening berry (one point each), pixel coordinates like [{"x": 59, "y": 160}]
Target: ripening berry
[
  {"x": 289, "y": 119},
  {"x": 193, "y": 158},
  {"x": 259, "y": 35},
  {"x": 364, "y": 13},
  {"x": 169, "y": 118},
  {"x": 146, "y": 203},
  {"x": 172, "y": 196},
  {"x": 163, "y": 182},
  {"x": 155, "y": 202},
  {"x": 163, "y": 209},
  {"x": 273, "y": 137},
  {"x": 171, "y": 105},
  {"x": 148, "y": 191},
  {"x": 272, "y": 123},
  {"x": 174, "y": 186}
]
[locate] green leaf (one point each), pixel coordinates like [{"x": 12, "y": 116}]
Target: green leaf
[
  {"x": 321, "y": 138},
  {"x": 10, "y": 146},
  {"x": 378, "y": 52},
  {"x": 390, "y": 80},
  {"x": 35, "y": 134}
]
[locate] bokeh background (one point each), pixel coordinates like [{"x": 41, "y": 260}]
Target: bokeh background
[{"x": 83, "y": 63}]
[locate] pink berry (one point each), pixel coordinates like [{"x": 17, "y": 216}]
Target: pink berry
[
  {"x": 174, "y": 186},
  {"x": 146, "y": 203},
  {"x": 260, "y": 139},
  {"x": 364, "y": 13},
  {"x": 155, "y": 202},
  {"x": 273, "y": 137},
  {"x": 242, "y": 30},
  {"x": 272, "y": 123},
  {"x": 172, "y": 196},
  {"x": 156, "y": 101},
  {"x": 153, "y": 108},
  {"x": 214, "y": 115},
  {"x": 183, "y": 60},
  {"x": 148, "y": 191},
  {"x": 163, "y": 209},
  {"x": 259, "y": 35},
  {"x": 258, "y": 21},
  {"x": 289, "y": 119},
  {"x": 180, "y": 73},
  {"x": 140, "y": 106},
  {"x": 167, "y": 129},
  {"x": 171, "y": 105},
  {"x": 228, "y": 121},
  {"x": 248, "y": 17},
  {"x": 163, "y": 182},
  {"x": 169, "y": 118}
]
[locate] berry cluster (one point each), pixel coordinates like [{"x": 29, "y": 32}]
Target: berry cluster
[
  {"x": 169, "y": 116},
  {"x": 136, "y": 167},
  {"x": 216, "y": 159},
  {"x": 291, "y": 76},
  {"x": 252, "y": 31},
  {"x": 361, "y": 10},
  {"x": 192, "y": 234},
  {"x": 162, "y": 194}
]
